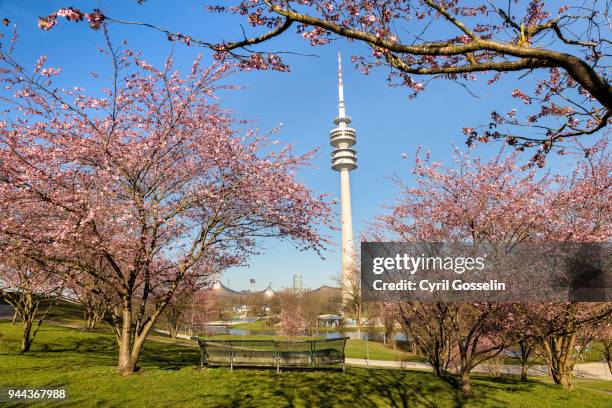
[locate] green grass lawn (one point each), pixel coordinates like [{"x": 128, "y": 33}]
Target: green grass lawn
[
  {"x": 260, "y": 325},
  {"x": 84, "y": 364},
  {"x": 377, "y": 351},
  {"x": 593, "y": 352},
  {"x": 63, "y": 312}
]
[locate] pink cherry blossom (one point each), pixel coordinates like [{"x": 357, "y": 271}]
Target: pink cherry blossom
[{"x": 144, "y": 187}]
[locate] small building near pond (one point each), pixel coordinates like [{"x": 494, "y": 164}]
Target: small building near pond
[{"x": 329, "y": 320}]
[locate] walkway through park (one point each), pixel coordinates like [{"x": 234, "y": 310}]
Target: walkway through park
[{"x": 591, "y": 371}]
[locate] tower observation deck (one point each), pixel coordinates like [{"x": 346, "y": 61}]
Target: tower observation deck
[{"x": 342, "y": 137}]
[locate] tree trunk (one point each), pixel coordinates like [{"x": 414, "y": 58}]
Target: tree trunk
[
  {"x": 563, "y": 378},
  {"x": 27, "y": 314},
  {"x": 92, "y": 321},
  {"x": 607, "y": 353},
  {"x": 131, "y": 344},
  {"x": 173, "y": 330},
  {"x": 129, "y": 356},
  {"x": 465, "y": 384},
  {"x": 523, "y": 371},
  {"x": 562, "y": 375},
  {"x": 137, "y": 347},
  {"x": 436, "y": 363},
  {"x": 126, "y": 364},
  {"x": 14, "y": 318},
  {"x": 558, "y": 352},
  {"x": 526, "y": 347},
  {"x": 26, "y": 340},
  {"x": 437, "y": 369}
]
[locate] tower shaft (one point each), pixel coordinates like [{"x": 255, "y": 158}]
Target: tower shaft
[
  {"x": 348, "y": 245},
  {"x": 344, "y": 160}
]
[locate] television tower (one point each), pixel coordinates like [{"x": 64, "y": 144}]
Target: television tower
[{"x": 344, "y": 160}]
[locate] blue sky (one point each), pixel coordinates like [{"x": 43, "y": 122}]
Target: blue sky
[{"x": 304, "y": 101}]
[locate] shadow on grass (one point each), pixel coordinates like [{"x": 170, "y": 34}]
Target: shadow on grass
[
  {"x": 168, "y": 356},
  {"x": 359, "y": 387},
  {"x": 510, "y": 383},
  {"x": 487, "y": 391},
  {"x": 70, "y": 348}
]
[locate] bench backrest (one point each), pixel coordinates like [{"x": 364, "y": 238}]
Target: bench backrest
[{"x": 272, "y": 352}]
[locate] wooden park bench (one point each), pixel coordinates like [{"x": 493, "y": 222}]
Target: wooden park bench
[{"x": 272, "y": 353}]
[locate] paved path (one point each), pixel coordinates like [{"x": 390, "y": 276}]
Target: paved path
[
  {"x": 178, "y": 335},
  {"x": 591, "y": 371}
]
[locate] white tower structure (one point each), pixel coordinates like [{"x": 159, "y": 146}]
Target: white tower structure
[{"x": 344, "y": 160}]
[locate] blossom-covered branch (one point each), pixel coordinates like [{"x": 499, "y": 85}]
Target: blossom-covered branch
[{"x": 456, "y": 41}]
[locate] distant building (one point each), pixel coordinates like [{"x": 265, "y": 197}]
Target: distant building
[
  {"x": 223, "y": 291},
  {"x": 268, "y": 292},
  {"x": 329, "y": 320},
  {"x": 244, "y": 303},
  {"x": 242, "y": 309},
  {"x": 297, "y": 283},
  {"x": 326, "y": 290}
]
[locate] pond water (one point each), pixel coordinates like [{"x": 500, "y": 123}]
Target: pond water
[{"x": 364, "y": 335}]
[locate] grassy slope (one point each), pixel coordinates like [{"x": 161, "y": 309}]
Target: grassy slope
[
  {"x": 377, "y": 351},
  {"x": 83, "y": 362},
  {"x": 71, "y": 315}
]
